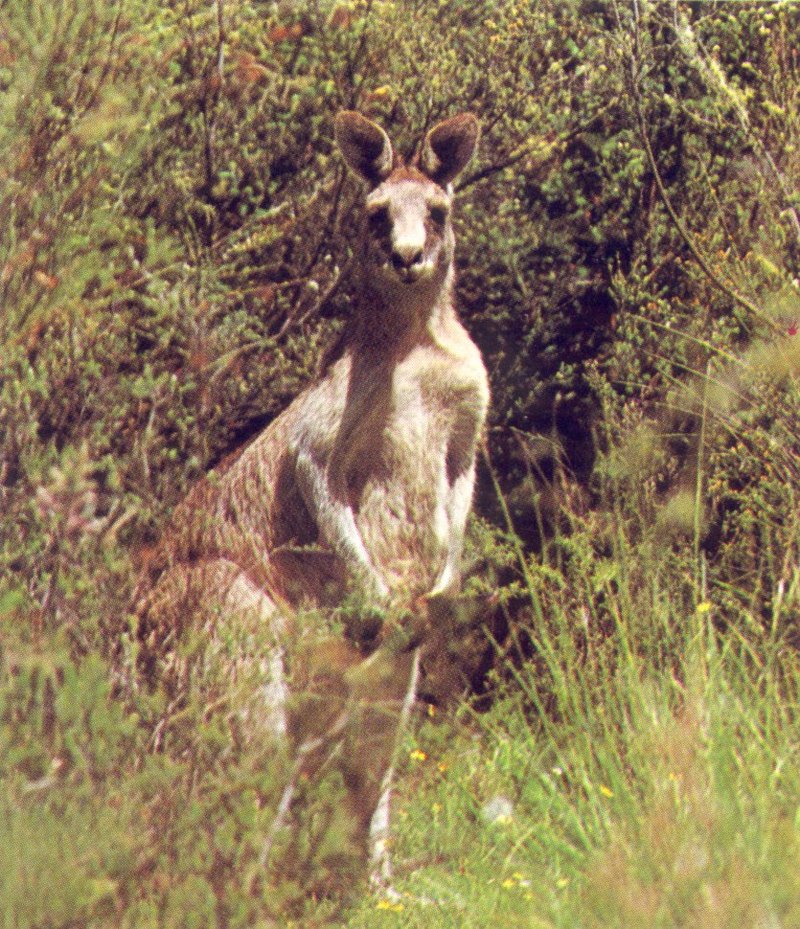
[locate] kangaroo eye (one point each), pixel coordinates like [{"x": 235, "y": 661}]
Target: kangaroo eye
[
  {"x": 438, "y": 214},
  {"x": 378, "y": 219}
]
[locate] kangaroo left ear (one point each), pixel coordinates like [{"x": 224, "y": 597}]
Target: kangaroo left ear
[
  {"x": 365, "y": 146},
  {"x": 448, "y": 148}
]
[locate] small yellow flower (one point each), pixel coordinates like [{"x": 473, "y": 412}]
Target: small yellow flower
[
  {"x": 704, "y": 607},
  {"x": 562, "y": 882},
  {"x": 431, "y": 710},
  {"x": 382, "y": 91},
  {"x": 508, "y": 883},
  {"x": 416, "y": 754},
  {"x": 389, "y": 905},
  {"x": 436, "y": 808},
  {"x": 442, "y": 767},
  {"x": 606, "y": 791}
]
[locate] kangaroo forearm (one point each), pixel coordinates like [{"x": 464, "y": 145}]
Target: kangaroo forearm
[
  {"x": 458, "y": 506},
  {"x": 335, "y": 519}
]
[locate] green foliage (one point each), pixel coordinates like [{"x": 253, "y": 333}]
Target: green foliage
[{"x": 176, "y": 242}]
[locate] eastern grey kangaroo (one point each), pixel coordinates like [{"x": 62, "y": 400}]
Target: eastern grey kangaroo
[{"x": 362, "y": 487}]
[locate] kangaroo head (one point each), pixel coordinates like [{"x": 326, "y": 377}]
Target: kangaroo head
[{"x": 408, "y": 236}]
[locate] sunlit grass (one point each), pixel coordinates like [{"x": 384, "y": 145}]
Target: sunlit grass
[{"x": 657, "y": 794}]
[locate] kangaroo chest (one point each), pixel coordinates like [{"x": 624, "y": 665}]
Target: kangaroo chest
[
  {"x": 409, "y": 421},
  {"x": 396, "y": 469}
]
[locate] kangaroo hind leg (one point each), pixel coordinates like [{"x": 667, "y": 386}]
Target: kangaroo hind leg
[{"x": 226, "y": 629}]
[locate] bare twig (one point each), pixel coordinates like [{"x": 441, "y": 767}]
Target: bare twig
[
  {"x": 354, "y": 56},
  {"x": 723, "y": 285},
  {"x": 107, "y": 64},
  {"x": 287, "y": 797},
  {"x": 544, "y": 151}
]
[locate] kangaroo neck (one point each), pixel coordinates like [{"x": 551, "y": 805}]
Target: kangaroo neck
[{"x": 392, "y": 319}]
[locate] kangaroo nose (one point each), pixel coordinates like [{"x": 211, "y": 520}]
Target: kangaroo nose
[{"x": 405, "y": 258}]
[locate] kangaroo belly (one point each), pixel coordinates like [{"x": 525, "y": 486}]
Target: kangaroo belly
[
  {"x": 398, "y": 498},
  {"x": 400, "y": 534}
]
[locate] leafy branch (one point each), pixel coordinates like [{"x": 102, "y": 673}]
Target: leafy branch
[{"x": 634, "y": 84}]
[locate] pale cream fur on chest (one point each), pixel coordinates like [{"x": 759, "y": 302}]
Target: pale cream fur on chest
[
  {"x": 389, "y": 450},
  {"x": 399, "y": 471}
]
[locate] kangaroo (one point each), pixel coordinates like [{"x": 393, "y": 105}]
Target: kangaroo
[{"x": 363, "y": 485}]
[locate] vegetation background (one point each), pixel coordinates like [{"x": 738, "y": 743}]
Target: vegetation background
[{"x": 613, "y": 741}]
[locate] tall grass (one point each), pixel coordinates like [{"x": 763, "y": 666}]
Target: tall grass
[
  {"x": 640, "y": 769},
  {"x": 663, "y": 798}
]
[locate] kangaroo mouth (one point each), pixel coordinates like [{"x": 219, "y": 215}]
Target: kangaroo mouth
[{"x": 410, "y": 274}]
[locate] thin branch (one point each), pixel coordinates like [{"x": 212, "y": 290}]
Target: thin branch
[
  {"x": 723, "y": 285},
  {"x": 308, "y": 747},
  {"x": 527, "y": 149},
  {"x": 694, "y": 49},
  {"x": 353, "y": 57},
  {"x": 107, "y": 65}
]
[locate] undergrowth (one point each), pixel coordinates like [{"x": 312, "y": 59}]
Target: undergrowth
[{"x": 637, "y": 767}]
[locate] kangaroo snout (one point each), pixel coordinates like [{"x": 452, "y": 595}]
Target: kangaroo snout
[
  {"x": 404, "y": 259},
  {"x": 409, "y": 264}
]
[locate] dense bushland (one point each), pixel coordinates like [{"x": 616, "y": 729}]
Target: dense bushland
[{"x": 176, "y": 240}]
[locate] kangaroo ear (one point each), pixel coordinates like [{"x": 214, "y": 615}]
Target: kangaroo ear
[
  {"x": 365, "y": 146},
  {"x": 448, "y": 147}
]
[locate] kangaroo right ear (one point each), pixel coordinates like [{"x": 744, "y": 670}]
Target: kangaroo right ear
[
  {"x": 365, "y": 146},
  {"x": 448, "y": 147}
]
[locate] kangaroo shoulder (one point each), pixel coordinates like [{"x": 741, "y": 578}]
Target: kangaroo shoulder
[
  {"x": 314, "y": 416},
  {"x": 458, "y": 362}
]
